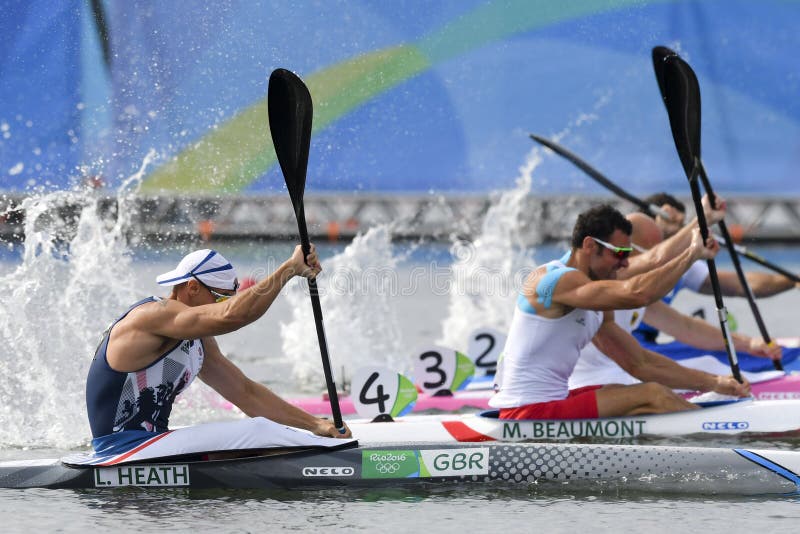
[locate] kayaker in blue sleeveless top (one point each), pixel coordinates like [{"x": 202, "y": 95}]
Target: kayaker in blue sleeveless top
[{"x": 159, "y": 345}]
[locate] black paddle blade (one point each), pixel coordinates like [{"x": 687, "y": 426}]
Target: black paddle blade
[
  {"x": 660, "y": 53},
  {"x": 683, "y": 107},
  {"x": 290, "y": 114}
]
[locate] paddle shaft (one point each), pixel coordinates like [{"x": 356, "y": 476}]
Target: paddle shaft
[
  {"x": 751, "y": 299},
  {"x": 722, "y": 312},
  {"x": 597, "y": 176},
  {"x": 761, "y": 261},
  {"x": 291, "y": 111},
  {"x": 316, "y": 307},
  {"x": 681, "y": 93}
]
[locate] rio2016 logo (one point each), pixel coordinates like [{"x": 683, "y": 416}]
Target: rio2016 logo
[
  {"x": 390, "y": 456},
  {"x": 423, "y": 463},
  {"x": 389, "y": 464}
]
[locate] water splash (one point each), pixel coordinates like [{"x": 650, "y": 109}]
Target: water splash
[
  {"x": 361, "y": 325},
  {"x": 489, "y": 270},
  {"x": 75, "y": 276}
]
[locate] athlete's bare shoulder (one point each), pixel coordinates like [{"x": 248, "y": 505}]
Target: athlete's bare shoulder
[
  {"x": 153, "y": 313},
  {"x": 565, "y": 278},
  {"x": 572, "y": 278}
]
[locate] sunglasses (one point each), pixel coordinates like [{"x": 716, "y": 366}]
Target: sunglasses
[
  {"x": 218, "y": 297},
  {"x": 620, "y": 253}
]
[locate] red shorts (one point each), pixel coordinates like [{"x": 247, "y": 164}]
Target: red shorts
[{"x": 581, "y": 403}]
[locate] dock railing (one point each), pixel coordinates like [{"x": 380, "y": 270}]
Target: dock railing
[{"x": 341, "y": 216}]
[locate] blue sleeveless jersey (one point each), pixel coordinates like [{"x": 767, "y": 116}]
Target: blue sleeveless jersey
[{"x": 139, "y": 400}]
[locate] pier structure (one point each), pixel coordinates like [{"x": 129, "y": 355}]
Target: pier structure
[{"x": 342, "y": 216}]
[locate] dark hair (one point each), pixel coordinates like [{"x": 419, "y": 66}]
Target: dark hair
[
  {"x": 600, "y": 222},
  {"x": 659, "y": 199}
]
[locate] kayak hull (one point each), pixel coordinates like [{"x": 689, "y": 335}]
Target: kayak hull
[
  {"x": 746, "y": 417},
  {"x": 519, "y": 465}
]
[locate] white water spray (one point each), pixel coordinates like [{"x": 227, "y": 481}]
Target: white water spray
[
  {"x": 361, "y": 320},
  {"x": 361, "y": 324},
  {"x": 489, "y": 271},
  {"x": 75, "y": 276}
]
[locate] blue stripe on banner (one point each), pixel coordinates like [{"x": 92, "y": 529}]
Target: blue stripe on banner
[{"x": 772, "y": 466}]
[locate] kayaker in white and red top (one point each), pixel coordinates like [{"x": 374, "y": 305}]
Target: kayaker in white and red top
[
  {"x": 567, "y": 303},
  {"x": 595, "y": 368}
]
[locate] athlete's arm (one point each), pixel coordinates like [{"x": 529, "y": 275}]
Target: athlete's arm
[
  {"x": 701, "y": 334},
  {"x": 648, "y": 366},
  {"x": 671, "y": 247},
  {"x": 762, "y": 284},
  {"x": 172, "y": 319},
  {"x": 255, "y": 399},
  {"x": 574, "y": 291},
  {"x": 659, "y": 254}
]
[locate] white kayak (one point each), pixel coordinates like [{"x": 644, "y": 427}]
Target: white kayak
[{"x": 742, "y": 417}]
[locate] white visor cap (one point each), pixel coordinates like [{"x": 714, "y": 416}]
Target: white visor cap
[{"x": 209, "y": 266}]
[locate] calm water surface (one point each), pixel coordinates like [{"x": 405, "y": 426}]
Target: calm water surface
[{"x": 468, "y": 510}]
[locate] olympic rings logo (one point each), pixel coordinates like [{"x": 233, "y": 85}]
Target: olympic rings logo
[{"x": 387, "y": 469}]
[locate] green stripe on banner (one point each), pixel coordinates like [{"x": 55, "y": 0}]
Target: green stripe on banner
[{"x": 234, "y": 154}]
